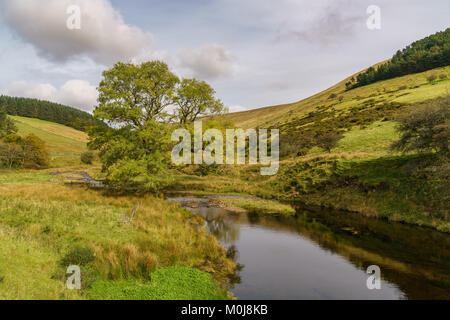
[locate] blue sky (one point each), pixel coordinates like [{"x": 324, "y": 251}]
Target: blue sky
[{"x": 254, "y": 53}]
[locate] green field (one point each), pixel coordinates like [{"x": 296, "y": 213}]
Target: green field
[{"x": 59, "y": 139}]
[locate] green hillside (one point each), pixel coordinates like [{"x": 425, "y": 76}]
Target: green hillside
[
  {"x": 418, "y": 89},
  {"x": 59, "y": 139},
  {"x": 46, "y": 110},
  {"x": 362, "y": 173}
]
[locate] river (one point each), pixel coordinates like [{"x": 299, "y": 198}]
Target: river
[{"x": 324, "y": 254}]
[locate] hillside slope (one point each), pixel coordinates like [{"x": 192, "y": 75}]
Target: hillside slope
[
  {"x": 409, "y": 89},
  {"x": 59, "y": 139}
]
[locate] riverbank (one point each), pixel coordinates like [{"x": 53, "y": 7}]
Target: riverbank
[
  {"x": 289, "y": 257},
  {"x": 384, "y": 187},
  {"x": 46, "y": 226}
]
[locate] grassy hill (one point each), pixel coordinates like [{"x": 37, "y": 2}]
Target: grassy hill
[
  {"x": 58, "y": 138},
  {"x": 65, "y": 144},
  {"x": 417, "y": 89},
  {"x": 362, "y": 174}
]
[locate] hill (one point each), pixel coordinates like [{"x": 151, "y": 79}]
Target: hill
[
  {"x": 425, "y": 54},
  {"x": 59, "y": 139},
  {"x": 45, "y": 110},
  {"x": 65, "y": 144},
  {"x": 361, "y": 174},
  {"x": 409, "y": 89}
]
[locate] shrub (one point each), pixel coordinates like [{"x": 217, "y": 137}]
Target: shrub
[
  {"x": 36, "y": 155},
  {"x": 427, "y": 128},
  {"x": 442, "y": 76},
  {"x": 78, "y": 256},
  {"x": 332, "y": 96},
  {"x": 11, "y": 155},
  {"x": 431, "y": 78},
  {"x": 328, "y": 140},
  {"x": 29, "y": 152},
  {"x": 87, "y": 157}
]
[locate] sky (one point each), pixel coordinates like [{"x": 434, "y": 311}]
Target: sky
[{"x": 254, "y": 53}]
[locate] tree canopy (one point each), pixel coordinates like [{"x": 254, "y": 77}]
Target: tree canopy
[
  {"x": 195, "y": 98},
  {"x": 45, "y": 110},
  {"x": 7, "y": 126},
  {"x": 426, "y": 54},
  {"x": 135, "y": 101}
]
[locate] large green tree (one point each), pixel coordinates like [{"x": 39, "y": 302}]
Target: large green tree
[
  {"x": 133, "y": 95},
  {"x": 195, "y": 98},
  {"x": 132, "y": 101}
]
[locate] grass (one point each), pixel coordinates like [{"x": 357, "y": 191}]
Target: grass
[
  {"x": 43, "y": 220},
  {"x": 258, "y": 206},
  {"x": 26, "y": 268},
  {"x": 418, "y": 89},
  {"x": 375, "y": 139},
  {"x": 65, "y": 144},
  {"x": 175, "y": 283}
]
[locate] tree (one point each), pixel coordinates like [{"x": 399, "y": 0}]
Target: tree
[
  {"x": 134, "y": 148},
  {"x": 426, "y": 128},
  {"x": 195, "y": 98},
  {"x": 46, "y": 110},
  {"x": 36, "y": 155},
  {"x": 29, "y": 152},
  {"x": 426, "y": 54},
  {"x": 328, "y": 140},
  {"x": 11, "y": 155},
  {"x": 87, "y": 157},
  {"x": 133, "y": 95},
  {"x": 7, "y": 126}
]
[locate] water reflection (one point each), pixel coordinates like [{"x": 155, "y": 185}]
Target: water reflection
[{"x": 324, "y": 254}]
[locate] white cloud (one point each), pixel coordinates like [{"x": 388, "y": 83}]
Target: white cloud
[
  {"x": 74, "y": 93},
  {"x": 104, "y": 36},
  {"x": 78, "y": 93},
  {"x": 237, "y": 108},
  {"x": 41, "y": 91},
  {"x": 207, "y": 62}
]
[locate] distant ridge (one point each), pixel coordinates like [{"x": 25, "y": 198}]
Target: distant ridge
[{"x": 46, "y": 110}]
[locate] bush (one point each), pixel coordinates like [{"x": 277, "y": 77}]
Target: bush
[
  {"x": 87, "y": 157},
  {"x": 431, "y": 78},
  {"x": 29, "y": 152},
  {"x": 442, "y": 76},
  {"x": 427, "y": 128},
  {"x": 328, "y": 140},
  {"x": 11, "y": 155},
  {"x": 332, "y": 96},
  {"x": 78, "y": 256},
  {"x": 36, "y": 155}
]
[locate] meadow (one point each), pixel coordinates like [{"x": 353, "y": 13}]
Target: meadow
[{"x": 47, "y": 224}]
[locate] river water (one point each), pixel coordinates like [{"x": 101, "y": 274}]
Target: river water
[{"x": 323, "y": 254}]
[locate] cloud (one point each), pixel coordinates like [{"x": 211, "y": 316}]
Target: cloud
[
  {"x": 237, "y": 108},
  {"x": 44, "y": 91},
  {"x": 74, "y": 93},
  {"x": 207, "y": 62},
  {"x": 78, "y": 93},
  {"x": 332, "y": 23},
  {"x": 104, "y": 36}
]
